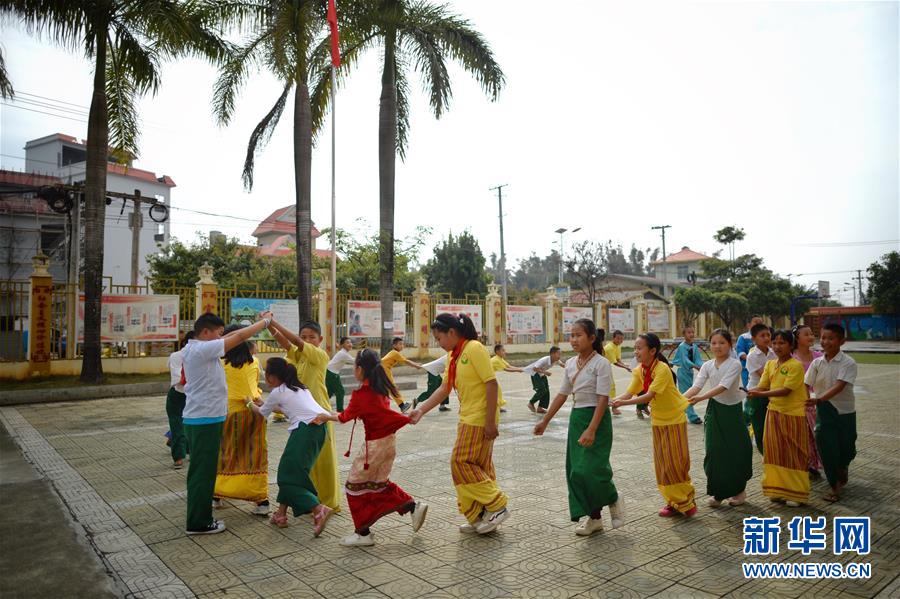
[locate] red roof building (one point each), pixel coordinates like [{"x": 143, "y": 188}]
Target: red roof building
[{"x": 276, "y": 234}]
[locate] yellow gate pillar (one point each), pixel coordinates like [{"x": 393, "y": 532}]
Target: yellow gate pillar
[
  {"x": 550, "y": 317},
  {"x": 421, "y": 307},
  {"x": 640, "y": 318},
  {"x": 600, "y": 318},
  {"x": 206, "y": 299},
  {"x": 40, "y": 300},
  {"x": 326, "y": 315},
  {"x": 493, "y": 316}
]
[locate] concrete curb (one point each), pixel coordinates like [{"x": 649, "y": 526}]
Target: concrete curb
[{"x": 30, "y": 396}]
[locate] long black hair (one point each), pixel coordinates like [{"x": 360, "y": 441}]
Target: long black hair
[
  {"x": 460, "y": 323},
  {"x": 373, "y": 371},
  {"x": 590, "y": 329},
  {"x": 285, "y": 372},
  {"x": 187, "y": 337},
  {"x": 653, "y": 342},
  {"x": 240, "y": 354}
]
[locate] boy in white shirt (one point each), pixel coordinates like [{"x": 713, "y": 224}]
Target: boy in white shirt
[
  {"x": 435, "y": 369},
  {"x": 175, "y": 406},
  {"x": 757, "y": 358},
  {"x": 832, "y": 377},
  {"x": 539, "y": 370},
  {"x": 205, "y": 409},
  {"x": 333, "y": 384}
]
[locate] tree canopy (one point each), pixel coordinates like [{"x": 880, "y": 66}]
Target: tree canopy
[
  {"x": 884, "y": 284},
  {"x": 457, "y": 266}
]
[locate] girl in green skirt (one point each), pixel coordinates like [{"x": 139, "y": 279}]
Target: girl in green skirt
[
  {"x": 728, "y": 460},
  {"x": 588, "y": 472}
]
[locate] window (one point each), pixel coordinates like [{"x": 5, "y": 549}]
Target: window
[
  {"x": 52, "y": 236},
  {"x": 683, "y": 272}
]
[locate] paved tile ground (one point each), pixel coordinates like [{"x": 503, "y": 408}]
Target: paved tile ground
[{"x": 107, "y": 460}]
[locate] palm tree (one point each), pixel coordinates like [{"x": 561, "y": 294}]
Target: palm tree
[
  {"x": 127, "y": 40},
  {"x": 283, "y": 38},
  {"x": 414, "y": 35},
  {"x": 6, "y": 87}
]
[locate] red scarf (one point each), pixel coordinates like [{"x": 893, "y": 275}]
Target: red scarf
[
  {"x": 648, "y": 376},
  {"x": 454, "y": 356}
]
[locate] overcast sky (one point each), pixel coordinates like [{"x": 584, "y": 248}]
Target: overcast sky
[{"x": 780, "y": 117}]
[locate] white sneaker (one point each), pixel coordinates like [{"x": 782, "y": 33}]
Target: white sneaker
[
  {"x": 713, "y": 502},
  {"x": 260, "y": 510},
  {"x": 491, "y": 521},
  {"x": 469, "y": 528},
  {"x": 216, "y": 527},
  {"x": 216, "y": 503},
  {"x": 589, "y": 526},
  {"x": 792, "y": 503},
  {"x": 418, "y": 515},
  {"x": 617, "y": 512},
  {"x": 357, "y": 540}
]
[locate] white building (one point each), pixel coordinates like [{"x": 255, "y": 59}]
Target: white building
[
  {"x": 679, "y": 267},
  {"x": 64, "y": 156}
]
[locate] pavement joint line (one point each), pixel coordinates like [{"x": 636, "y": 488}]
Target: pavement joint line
[
  {"x": 99, "y": 518},
  {"x": 116, "y": 429}
]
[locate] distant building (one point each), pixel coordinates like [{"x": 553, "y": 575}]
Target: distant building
[
  {"x": 276, "y": 235},
  {"x": 679, "y": 266},
  {"x": 60, "y": 158}
]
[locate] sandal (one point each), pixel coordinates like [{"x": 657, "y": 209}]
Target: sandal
[
  {"x": 320, "y": 518},
  {"x": 279, "y": 520},
  {"x": 831, "y": 497}
]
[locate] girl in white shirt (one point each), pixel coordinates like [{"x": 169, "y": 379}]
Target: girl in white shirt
[
  {"x": 307, "y": 436},
  {"x": 729, "y": 455},
  {"x": 588, "y": 471}
]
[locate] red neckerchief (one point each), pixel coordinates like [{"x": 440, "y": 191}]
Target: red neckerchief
[
  {"x": 454, "y": 356},
  {"x": 648, "y": 376}
]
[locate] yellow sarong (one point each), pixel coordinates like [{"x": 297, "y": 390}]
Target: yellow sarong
[
  {"x": 785, "y": 457},
  {"x": 474, "y": 477}
]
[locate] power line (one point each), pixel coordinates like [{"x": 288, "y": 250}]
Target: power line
[
  {"x": 20, "y": 92},
  {"x": 42, "y": 112},
  {"x": 49, "y": 105}
]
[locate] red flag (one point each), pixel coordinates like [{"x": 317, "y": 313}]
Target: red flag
[{"x": 332, "y": 23}]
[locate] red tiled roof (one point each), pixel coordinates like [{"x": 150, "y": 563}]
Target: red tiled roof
[
  {"x": 137, "y": 173},
  {"x": 280, "y": 247},
  {"x": 27, "y": 179},
  {"x": 276, "y": 223},
  {"x": 685, "y": 255}
]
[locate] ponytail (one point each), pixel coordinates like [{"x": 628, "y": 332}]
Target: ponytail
[
  {"x": 373, "y": 371},
  {"x": 590, "y": 329},
  {"x": 280, "y": 369},
  {"x": 461, "y": 323},
  {"x": 653, "y": 342}
]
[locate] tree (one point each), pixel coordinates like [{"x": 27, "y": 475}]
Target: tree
[
  {"x": 420, "y": 35},
  {"x": 729, "y": 236},
  {"x": 587, "y": 267},
  {"x": 283, "y": 39},
  {"x": 730, "y": 307},
  {"x": 884, "y": 284},
  {"x": 535, "y": 273},
  {"x": 637, "y": 262},
  {"x": 694, "y": 301},
  {"x": 6, "y": 87},
  {"x": 127, "y": 41},
  {"x": 178, "y": 264},
  {"x": 457, "y": 266}
]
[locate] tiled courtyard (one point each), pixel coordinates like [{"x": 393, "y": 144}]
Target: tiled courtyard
[{"x": 107, "y": 460}]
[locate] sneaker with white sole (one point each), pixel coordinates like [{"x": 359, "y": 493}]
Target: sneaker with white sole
[
  {"x": 589, "y": 526},
  {"x": 217, "y": 526},
  {"x": 491, "y": 521},
  {"x": 216, "y": 503},
  {"x": 469, "y": 528},
  {"x": 617, "y": 512},
  {"x": 357, "y": 540},
  {"x": 418, "y": 515},
  {"x": 260, "y": 509}
]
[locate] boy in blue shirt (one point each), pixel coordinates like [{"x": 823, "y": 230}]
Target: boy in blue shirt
[
  {"x": 687, "y": 358},
  {"x": 205, "y": 408}
]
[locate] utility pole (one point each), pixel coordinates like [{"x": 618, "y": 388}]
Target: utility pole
[
  {"x": 499, "y": 189},
  {"x": 72, "y": 278},
  {"x": 859, "y": 279},
  {"x": 662, "y": 229},
  {"x": 136, "y": 223}
]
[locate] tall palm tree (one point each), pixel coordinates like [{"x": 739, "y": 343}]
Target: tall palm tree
[
  {"x": 414, "y": 35},
  {"x": 126, "y": 40},
  {"x": 6, "y": 87},
  {"x": 282, "y": 38}
]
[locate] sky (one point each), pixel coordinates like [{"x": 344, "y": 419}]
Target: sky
[{"x": 778, "y": 117}]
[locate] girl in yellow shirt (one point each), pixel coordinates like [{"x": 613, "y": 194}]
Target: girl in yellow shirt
[
  {"x": 654, "y": 383},
  {"x": 785, "y": 476}
]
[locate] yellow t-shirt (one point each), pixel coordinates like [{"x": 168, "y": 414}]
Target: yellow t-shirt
[
  {"x": 243, "y": 384},
  {"x": 391, "y": 359},
  {"x": 473, "y": 370},
  {"x": 788, "y": 375},
  {"x": 667, "y": 406},
  {"x": 499, "y": 364},
  {"x": 311, "y": 363},
  {"x": 613, "y": 353}
]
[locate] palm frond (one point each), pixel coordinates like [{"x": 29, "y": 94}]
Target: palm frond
[
  {"x": 121, "y": 112},
  {"x": 233, "y": 74},
  {"x": 429, "y": 60},
  {"x": 240, "y": 16},
  {"x": 137, "y": 62},
  {"x": 402, "y": 84},
  {"x": 6, "y": 87},
  {"x": 262, "y": 133},
  {"x": 60, "y": 21}
]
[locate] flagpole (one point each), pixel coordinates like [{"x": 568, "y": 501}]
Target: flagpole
[{"x": 334, "y": 289}]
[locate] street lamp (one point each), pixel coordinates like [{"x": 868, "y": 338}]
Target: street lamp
[{"x": 560, "y": 231}]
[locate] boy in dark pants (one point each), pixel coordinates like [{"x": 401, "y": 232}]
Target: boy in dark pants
[
  {"x": 539, "y": 371},
  {"x": 205, "y": 408},
  {"x": 342, "y": 357},
  {"x": 435, "y": 369},
  {"x": 175, "y": 406}
]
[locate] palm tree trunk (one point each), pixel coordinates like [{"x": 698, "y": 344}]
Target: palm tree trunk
[
  {"x": 387, "y": 159},
  {"x": 94, "y": 217},
  {"x": 302, "y": 174}
]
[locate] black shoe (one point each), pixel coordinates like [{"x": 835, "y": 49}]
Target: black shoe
[
  {"x": 444, "y": 408},
  {"x": 404, "y": 407},
  {"x": 217, "y": 526}
]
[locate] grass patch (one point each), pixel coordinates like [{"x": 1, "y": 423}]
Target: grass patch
[
  {"x": 62, "y": 382},
  {"x": 869, "y": 358}
]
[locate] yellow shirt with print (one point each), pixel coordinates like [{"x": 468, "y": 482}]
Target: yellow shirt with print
[
  {"x": 473, "y": 370},
  {"x": 667, "y": 406},
  {"x": 788, "y": 375},
  {"x": 613, "y": 353},
  {"x": 499, "y": 364}
]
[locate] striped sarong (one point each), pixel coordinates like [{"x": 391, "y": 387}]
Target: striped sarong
[
  {"x": 786, "y": 457},
  {"x": 472, "y": 468},
  {"x": 672, "y": 461},
  {"x": 243, "y": 469}
]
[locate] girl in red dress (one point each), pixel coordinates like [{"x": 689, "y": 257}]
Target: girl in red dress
[{"x": 370, "y": 493}]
